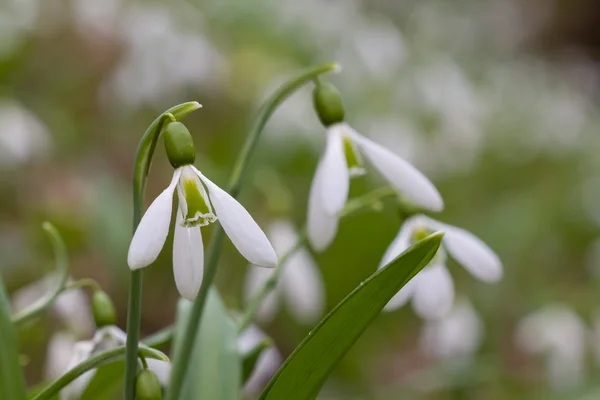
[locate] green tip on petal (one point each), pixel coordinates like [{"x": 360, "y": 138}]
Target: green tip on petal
[
  {"x": 179, "y": 144},
  {"x": 328, "y": 103}
]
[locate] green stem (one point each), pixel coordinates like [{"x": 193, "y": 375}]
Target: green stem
[
  {"x": 160, "y": 339},
  {"x": 182, "y": 357},
  {"x": 143, "y": 161},
  {"x": 106, "y": 357},
  {"x": 62, "y": 267}
]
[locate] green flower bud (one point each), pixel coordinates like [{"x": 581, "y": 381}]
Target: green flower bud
[
  {"x": 103, "y": 309},
  {"x": 328, "y": 103},
  {"x": 179, "y": 144},
  {"x": 147, "y": 386}
]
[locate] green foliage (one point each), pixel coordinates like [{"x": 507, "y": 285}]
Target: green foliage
[
  {"x": 305, "y": 371},
  {"x": 106, "y": 383},
  {"x": 215, "y": 370}
]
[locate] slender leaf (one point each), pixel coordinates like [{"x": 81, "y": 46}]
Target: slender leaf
[
  {"x": 305, "y": 371},
  {"x": 216, "y": 365},
  {"x": 12, "y": 383}
]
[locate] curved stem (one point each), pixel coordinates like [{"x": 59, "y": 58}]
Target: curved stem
[
  {"x": 160, "y": 339},
  {"x": 143, "y": 161},
  {"x": 91, "y": 363},
  {"x": 62, "y": 267},
  {"x": 182, "y": 357}
]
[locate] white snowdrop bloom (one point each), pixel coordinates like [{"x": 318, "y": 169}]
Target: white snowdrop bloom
[
  {"x": 23, "y": 135},
  {"x": 64, "y": 353},
  {"x": 342, "y": 159},
  {"x": 300, "y": 283},
  {"x": 201, "y": 202},
  {"x": 559, "y": 335},
  {"x": 456, "y": 335},
  {"x": 432, "y": 290},
  {"x": 71, "y": 306},
  {"x": 267, "y": 364}
]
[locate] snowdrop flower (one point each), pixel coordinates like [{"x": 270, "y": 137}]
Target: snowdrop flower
[
  {"x": 432, "y": 290},
  {"x": 300, "y": 282},
  {"x": 342, "y": 159},
  {"x": 559, "y": 334},
  {"x": 456, "y": 335},
  {"x": 64, "y": 353},
  {"x": 267, "y": 364},
  {"x": 201, "y": 202}
]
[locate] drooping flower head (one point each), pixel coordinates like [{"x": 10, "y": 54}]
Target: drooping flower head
[
  {"x": 432, "y": 290},
  {"x": 342, "y": 159},
  {"x": 200, "y": 202}
]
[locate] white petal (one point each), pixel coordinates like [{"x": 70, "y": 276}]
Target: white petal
[
  {"x": 303, "y": 287},
  {"x": 243, "y": 231},
  {"x": 150, "y": 235},
  {"x": 188, "y": 259},
  {"x": 400, "y": 173},
  {"x": 404, "y": 295},
  {"x": 81, "y": 352},
  {"x": 255, "y": 279},
  {"x": 402, "y": 240},
  {"x": 162, "y": 369},
  {"x": 434, "y": 293},
  {"x": 472, "y": 253},
  {"x": 321, "y": 225},
  {"x": 335, "y": 179}
]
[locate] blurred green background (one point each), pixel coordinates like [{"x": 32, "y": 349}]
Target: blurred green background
[{"x": 495, "y": 101}]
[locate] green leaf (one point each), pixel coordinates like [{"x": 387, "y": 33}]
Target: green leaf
[
  {"x": 215, "y": 370},
  {"x": 107, "y": 382},
  {"x": 12, "y": 383},
  {"x": 305, "y": 371}
]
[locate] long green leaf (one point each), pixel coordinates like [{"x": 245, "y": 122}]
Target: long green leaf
[
  {"x": 106, "y": 383},
  {"x": 305, "y": 371},
  {"x": 216, "y": 366},
  {"x": 12, "y": 383}
]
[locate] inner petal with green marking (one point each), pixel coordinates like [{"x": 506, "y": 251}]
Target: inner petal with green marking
[
  {"x": 193, "y": 200},
  {"x": 353, "y": 157}
]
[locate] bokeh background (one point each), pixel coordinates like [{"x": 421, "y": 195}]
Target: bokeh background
[{"x": 496, "y": 101}]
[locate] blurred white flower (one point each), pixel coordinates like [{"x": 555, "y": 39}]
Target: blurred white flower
[
  {"x": 195, "y": 210},
  {"x": 71, "y": 307},
  {"x": 432, "y": 290},
  {"x": 456, "y": 335},
  {"x": 559, "y": 334},
  {"x": 64, "y": 353},
  {"x": 186, "y": 57},
  {"x": 266, "y": 365},
  {"x": 342, "y": 160},
  {"x": 22, "y": 137},
  {"x": 300, "y": 283}
]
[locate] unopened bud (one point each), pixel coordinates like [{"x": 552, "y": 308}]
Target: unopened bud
[
  {"x": 103, "y": 309},
  {"x": 328, "y": 103},
  {"x": 147, "y": 386},
  {"x": 179, "y": 144}
]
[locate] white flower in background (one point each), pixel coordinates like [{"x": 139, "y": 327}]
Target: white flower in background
[
  {"x": 300, "y": 283},
  {"x": 456, "y": 335},
  {"x": 71, "y": 306},
  {"x": 559, "y": 335},
  {"x": 64, "y": 353},
  {"x": 267, "y": 364},
  {"x": 342, "y": 159},
  {"x": 201, "y": 202},
  {"x": 22, "y": 137},
  {"x": 432, "y": 290}
]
